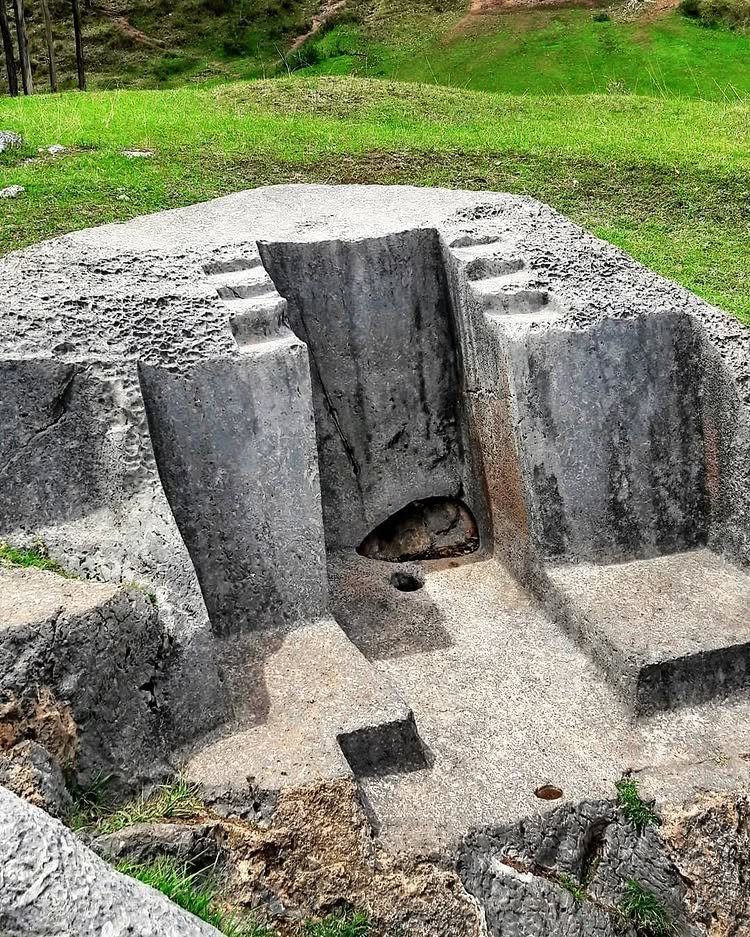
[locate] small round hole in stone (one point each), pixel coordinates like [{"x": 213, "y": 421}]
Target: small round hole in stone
[
  {"x": 406, "y": 582},
  {"x": 548, "y": 792}
]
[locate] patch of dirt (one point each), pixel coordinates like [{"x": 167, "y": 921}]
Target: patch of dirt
[
  {"x": 325, "y": 14},
  {"x": 43, "y": 720},
  {"x": 125, "y": 28},
  {"x": 483, "y": 7},
  {"x": 709, "y": 841},
  {"x": 630, "y": 10},
  {"x": 320, "y": 856}
]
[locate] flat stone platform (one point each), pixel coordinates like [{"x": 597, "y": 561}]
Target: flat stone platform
[
  {"x": 506, "y": 703},
  {"x": 669, "y": 631}
]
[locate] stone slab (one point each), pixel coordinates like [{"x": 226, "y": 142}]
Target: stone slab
[
  {"x": 668, "y": 631},
  {"x": 505, "y": 702},
  {"x": 319, "y": 691}
]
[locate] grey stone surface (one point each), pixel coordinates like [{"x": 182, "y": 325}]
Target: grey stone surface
[
  {"x": 317, "y": 689},
  {"x": 9, "y": 139},
  {"x": 12, "y": 191},
  {"x": 54, "y": 886},
  {"x": 670, "y": 631},
  {"x": 195, "y": 845},
  {"x": 506, "y": 703},
  {"x": 522, "y": 874},
  {"x": 29, "y": 770},
  {"x": 205, "y": 400},
  {"x": 96, "y": 653}
]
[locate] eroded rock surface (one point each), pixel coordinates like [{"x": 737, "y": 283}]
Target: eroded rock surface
[
  {"x": 221, "y": 403},
  {"x": 79, "y": 667},
  {"x": 53, "y": 886},
  {"x": 432, "y": 529},
  {"x": 566, "y": 873},
  {"x": 709, "y": 843}
]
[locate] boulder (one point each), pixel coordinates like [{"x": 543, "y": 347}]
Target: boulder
[
  {"x": 54, "y": 886},
  {"x": 29, "y": 771},
  {"x": 9, "y": 139}
]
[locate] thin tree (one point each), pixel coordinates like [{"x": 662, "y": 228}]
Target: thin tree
[
  {"x": 23, "y": 48},
  {"x": 80, "y": 64},
  {"x": 52, "y": 64},
  {"x": 10, "y": 58}
]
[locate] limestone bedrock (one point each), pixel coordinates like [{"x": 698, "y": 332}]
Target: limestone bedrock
[{"x": 222, "y": 403}]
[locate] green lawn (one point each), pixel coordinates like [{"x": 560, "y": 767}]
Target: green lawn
[{"x": 666, "y": 178}]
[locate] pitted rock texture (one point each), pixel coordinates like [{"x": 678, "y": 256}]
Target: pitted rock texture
[
  {"x": 521, "y": 874},
  {"x": 80, "y": 665},
  {"x": 53, "y": 886},
  {"x": 709, "y": 842},
  {"x": 30, "y": 771}
]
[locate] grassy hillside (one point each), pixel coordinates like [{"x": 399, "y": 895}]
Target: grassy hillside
[
  {"x": 622, "y": 165},
  {"x": 571, "y": 51},
  {"x": 167, "y": 43},
  {"x": 164, "y": 43}
]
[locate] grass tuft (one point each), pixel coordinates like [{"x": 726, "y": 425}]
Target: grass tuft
[
  {"x": 176, "y": 801},
  {"x": 573, "y": 887},
  {"x": 640, "y": 813},
  {"x": 193, "y": 894},
  {"x": 35, "y": 557},
  {"x": 355, "y": 924},
  {"x": 643, "y": 910}
]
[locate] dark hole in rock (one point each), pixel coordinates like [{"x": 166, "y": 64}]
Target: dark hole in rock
[
  {"x": 406, "y": 582},
  {"x": 429, "y": 529},
  {"x": 548, "y": 792}
]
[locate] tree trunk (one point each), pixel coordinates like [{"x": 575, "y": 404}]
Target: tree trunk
[
  {"x": 10, "y": 59},
  {"x": 79, "y": 45},
  {"x": 23, "y": 48},
  {"x": 50, "y": 46}
]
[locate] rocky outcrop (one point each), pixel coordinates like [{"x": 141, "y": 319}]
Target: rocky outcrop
[
  {"x": 30, "y": 771},
  {"x": 80, "y": 667},
  {"x": 567, "y": 873},
  {"x": 53, "y": 886},
  {"x": 709, "y": 842}
]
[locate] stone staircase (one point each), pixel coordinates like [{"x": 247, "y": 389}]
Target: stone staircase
[
  {"x": 257, "y": 314},
  {"x": 504, "y": 285}
]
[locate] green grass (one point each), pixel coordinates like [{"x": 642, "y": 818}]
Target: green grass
[
  {"x": 31, "y": 558},
  {"x": 640, "y": 813},
  {"x": 175, "y": 801},
  {"x": 643, "y": 910},
  {"x": 197, "y": 894},
  {"x": 574, "y": 888},
  {"x": 193, "y": 893},
  {"x": 354, "y": 924},
  {"x": 621, "y": 165},
  {"x": 163, "y": 43},
  {"x": 538, "y": 52}
]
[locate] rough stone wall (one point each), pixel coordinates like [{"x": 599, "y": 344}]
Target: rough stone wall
[
  {"x": 724, "y": 363},
  {"x": 81, "y": 668},
  {"x": 565, "y": 874},
  {"x": 376, "y": 317},
  {"x": 234, "y": 438},
  {"x": 613, "y": 455},
  {"x": 78, "y": 472}
]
